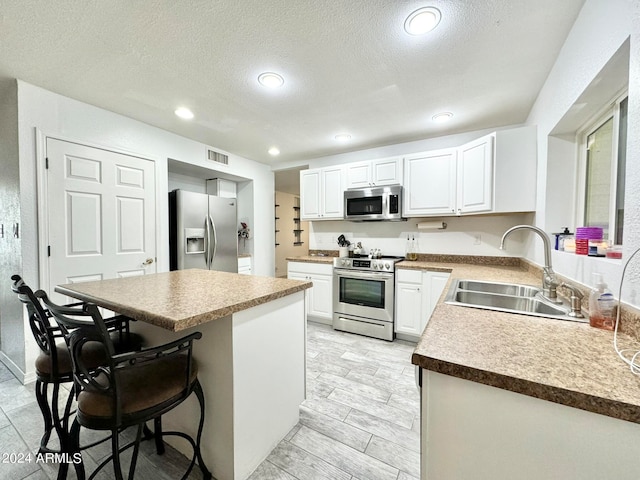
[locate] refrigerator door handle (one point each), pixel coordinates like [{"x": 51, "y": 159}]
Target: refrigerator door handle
[
  {"x": 213, "y": 241},
  {"x": 207, "y": 241}
]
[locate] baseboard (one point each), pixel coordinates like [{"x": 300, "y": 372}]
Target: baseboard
[
  {"x": 323, "y": 321},
  {"x": 22, "y": 377},
  {"x": 407, "y": 337}
]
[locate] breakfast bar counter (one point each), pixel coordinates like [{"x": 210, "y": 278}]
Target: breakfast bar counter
[{"x": 251, "y": 357}]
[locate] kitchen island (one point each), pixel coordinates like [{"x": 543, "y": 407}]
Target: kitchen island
[
  {"x": 514, "y": 396},
  {"x": 251, "y": 358}
]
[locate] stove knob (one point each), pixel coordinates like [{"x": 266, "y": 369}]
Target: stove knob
[
  {"x": 374, "y": 265},
  {"x": 387, "y": 265},
  {"x": 344, "y": 262}
]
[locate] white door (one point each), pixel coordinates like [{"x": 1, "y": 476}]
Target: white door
[
  {"x": 320, "y": 296},
  {"x": 475, "y": 176},
  {"x": 332, "y": 192},
  {"x": 386, "y": 171},
  {"x": 101, "y": 214},
  {"x": 310, "y": 194},
  {"x": 430, "y": 183},
  {"x": 409, "y": 309}
]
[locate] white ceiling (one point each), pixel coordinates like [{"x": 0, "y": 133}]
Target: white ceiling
[{"x": 348, "y": 66}]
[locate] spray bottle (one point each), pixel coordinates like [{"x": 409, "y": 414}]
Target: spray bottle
[{"x": 601, "y": 305}]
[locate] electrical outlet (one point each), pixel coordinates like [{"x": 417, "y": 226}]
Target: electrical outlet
[{"x": 477, "y": 239}]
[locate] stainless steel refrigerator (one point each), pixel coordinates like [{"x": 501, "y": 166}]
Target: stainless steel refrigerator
[{"x": 202, "y": 231}]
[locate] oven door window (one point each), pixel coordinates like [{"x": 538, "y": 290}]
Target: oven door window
[
  {"x": 365, "y": 206},
  {"x": 357, "y": 291}
]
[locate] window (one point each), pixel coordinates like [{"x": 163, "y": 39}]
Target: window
[{"x": 604, "y": 145}]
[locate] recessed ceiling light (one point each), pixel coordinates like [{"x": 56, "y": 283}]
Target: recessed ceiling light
[
  {"x": 422, "y": 21},
  {"x": 442, "y": 117},
  {"x": 270, "y": 80},
  {"x": 184, "y": 112},
  {"x": 343, "y": 137},
  {"x": 273, "y": 151}
]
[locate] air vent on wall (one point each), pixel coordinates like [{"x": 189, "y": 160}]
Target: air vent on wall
[{"x": 217, "y": 157}]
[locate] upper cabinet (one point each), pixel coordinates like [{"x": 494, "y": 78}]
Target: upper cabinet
[
  {"x": 493, "y": 174},
  {"x": 321, "y": 193},
  {"x": 374, "y": 173},
  {"x": 475, "y": 176},
  {"x": 430, "y": 183}
]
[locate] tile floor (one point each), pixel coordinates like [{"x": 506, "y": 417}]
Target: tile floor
[{"x": 360, "y": 420}]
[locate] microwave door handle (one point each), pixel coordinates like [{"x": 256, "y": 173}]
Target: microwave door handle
[{"x": 206, "y": 241}]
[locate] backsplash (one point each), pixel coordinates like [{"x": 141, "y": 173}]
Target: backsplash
[{"x": 477, "y": 235}]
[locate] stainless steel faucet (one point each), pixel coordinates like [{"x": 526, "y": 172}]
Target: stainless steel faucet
[{"x": 549, "y": 280}]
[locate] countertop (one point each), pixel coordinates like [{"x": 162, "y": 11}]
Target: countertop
[
  {"x": 183, "y": 298},
  {"x": 311, "y": 259},
  {"x": 560, "y": 361}
]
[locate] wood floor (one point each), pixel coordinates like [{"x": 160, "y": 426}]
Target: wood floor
[{"x": 360, "y": 420}]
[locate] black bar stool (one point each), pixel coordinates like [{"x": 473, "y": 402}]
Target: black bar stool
[
  {"x": 54, "y": 365},
  {"x": 130, "y": 389}
]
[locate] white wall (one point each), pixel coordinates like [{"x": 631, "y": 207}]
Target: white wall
[
  {"x": 51, "y": 114},
  {"x": 599, "y": 31},
  {"x": 473, "y": 235}
]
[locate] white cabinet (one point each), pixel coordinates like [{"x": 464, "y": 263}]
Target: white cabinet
[
  {"x": 221, "y": 187},
  {"x": 321, "y": 193},
  {"x": 430, "y": 183},
  {"x": 417, "y": 293},
  {"x": 475, "y": 176},
  {"x": 374, "y": 173},
  {"x": 319, "y": 298},
  {"x": 493, "y": 174},
  {"x": 244, "y": 265}
]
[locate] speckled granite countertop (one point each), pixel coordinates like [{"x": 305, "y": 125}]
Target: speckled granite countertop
[
  {"x": 560, "y": 361},
  {"x": 184, "y": 298},
  {"x": 311, "y": 259}
]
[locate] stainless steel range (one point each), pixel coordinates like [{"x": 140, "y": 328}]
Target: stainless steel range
[{"x": 363, "y": 296}]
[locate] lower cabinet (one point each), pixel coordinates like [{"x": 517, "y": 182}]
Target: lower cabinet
[
  {"x": 417, "y": 293},
  {"x": 475, "y": 431},
  {"x": 244, "y": 265},
  {"x": 319, "y": 298}
]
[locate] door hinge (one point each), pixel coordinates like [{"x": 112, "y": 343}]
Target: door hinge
[
  {"x": 46, "y": 163},
  {"x": 48, "y": 250}
]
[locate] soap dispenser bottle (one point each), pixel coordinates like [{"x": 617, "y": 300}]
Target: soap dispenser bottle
[{"x": 601, "y": 305}]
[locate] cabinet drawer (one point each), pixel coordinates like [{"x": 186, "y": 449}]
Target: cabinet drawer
[
  {"x": 409, "y": 276},
  {"x": 310, "y": 268}
]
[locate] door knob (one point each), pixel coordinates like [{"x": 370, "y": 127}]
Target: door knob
[{"x": 148, "y": 261}]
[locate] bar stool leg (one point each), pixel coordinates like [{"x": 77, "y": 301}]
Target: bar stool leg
[
  {"x": 74, "y": 440},
  {"x": 43, "y": 403},
  {"x": 157, "y": 430},
  {"x": 206, "y": 474}
]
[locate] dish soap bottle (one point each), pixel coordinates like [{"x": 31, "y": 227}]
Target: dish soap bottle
[{"x": 601, "y": 305}]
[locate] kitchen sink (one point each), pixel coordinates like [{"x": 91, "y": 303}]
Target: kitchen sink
[
  {"x": 501, "y": 288},
  {"x": 507, "y": 297}
]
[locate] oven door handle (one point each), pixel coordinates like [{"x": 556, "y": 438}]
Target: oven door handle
[{"x": 364, "y": 275}]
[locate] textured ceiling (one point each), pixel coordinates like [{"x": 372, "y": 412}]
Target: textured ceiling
[{"x": 348, "y": 66}]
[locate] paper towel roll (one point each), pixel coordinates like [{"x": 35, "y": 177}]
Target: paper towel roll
[{"x": 432, "y": 225}]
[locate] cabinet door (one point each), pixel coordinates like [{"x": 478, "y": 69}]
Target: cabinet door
[
  {"x": 435, "y": 283},
  {"x": 332, "y": 193},
  {"x": 386, "y": 171},
  {"x": 359, "y": 175},
  {"x": 430, "y": 183},
  {"x": 305, "y": 278},
  {"x": 475, "y": 176},
  {"x": 310, "y": 194},
  {"x": 409, "y": 308},
  {"x": 321, "y": 296}
]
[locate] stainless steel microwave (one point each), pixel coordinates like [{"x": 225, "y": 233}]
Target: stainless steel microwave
[{"x": 376, "y": 203}]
